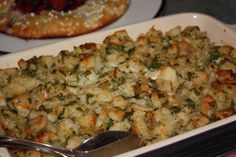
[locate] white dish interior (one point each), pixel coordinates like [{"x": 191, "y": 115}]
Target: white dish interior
[{"x": 217, "y": 31}]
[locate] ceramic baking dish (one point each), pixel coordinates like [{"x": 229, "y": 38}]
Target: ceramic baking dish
[{"x": 217, "y": 31}]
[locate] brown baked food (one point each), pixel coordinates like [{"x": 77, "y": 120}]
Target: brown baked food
[
  {"x": 51, "y": 18},
  {"x": 159, "y": 85}
]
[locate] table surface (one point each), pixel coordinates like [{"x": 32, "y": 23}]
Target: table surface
[{"x": 223, "y": 10}]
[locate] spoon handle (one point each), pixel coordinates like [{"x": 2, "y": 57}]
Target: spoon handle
[{"x": 26, "y": 144}]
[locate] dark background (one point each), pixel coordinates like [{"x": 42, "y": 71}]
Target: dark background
[{"x": 224, "y": 10}]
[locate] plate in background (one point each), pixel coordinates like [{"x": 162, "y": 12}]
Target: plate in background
[{"x": 139, "y": 10}]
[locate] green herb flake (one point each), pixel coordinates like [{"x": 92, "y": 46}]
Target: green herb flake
[
  {"x": 60, "y": 116},
  {"x": 103, "y": 74},
  {"x": 153, "y": 83},
  {"x": 29, "y": 72},
  {"x": 30, "y": 100},
  {"x": 110, "y": 124},
  {"x": 154, "y": 66},
  {"x": 115, "y": 48},
  {"x": 121, "y": 81},
  {"x": 180, "y": 88},
  {"x": 175, "y": 109},
  {"x": 190, "y": 103},
  {"x": 87, "y": 72},
  {"x": 61, "y": 96},
  {"x": 8, "y": 99},
  {"x": 88, "y": 96},
  {"x": 190, "y": 76},
  {"x": 43, "y": 108},
  {"x": 71, "y": 103},
  {"x": 197, "y": 92},
  {"x": 214, "y": 55}
]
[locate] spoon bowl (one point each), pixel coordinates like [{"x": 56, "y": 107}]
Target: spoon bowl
[{"x": 107, "y": 144}]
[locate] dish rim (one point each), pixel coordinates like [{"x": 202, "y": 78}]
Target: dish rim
[{"x": 54, "y": 47}]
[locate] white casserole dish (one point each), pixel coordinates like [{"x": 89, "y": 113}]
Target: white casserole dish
[{"x": 217, "y": 32}]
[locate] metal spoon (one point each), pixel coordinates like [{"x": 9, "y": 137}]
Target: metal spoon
[{"x": 105, "y": 144}]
